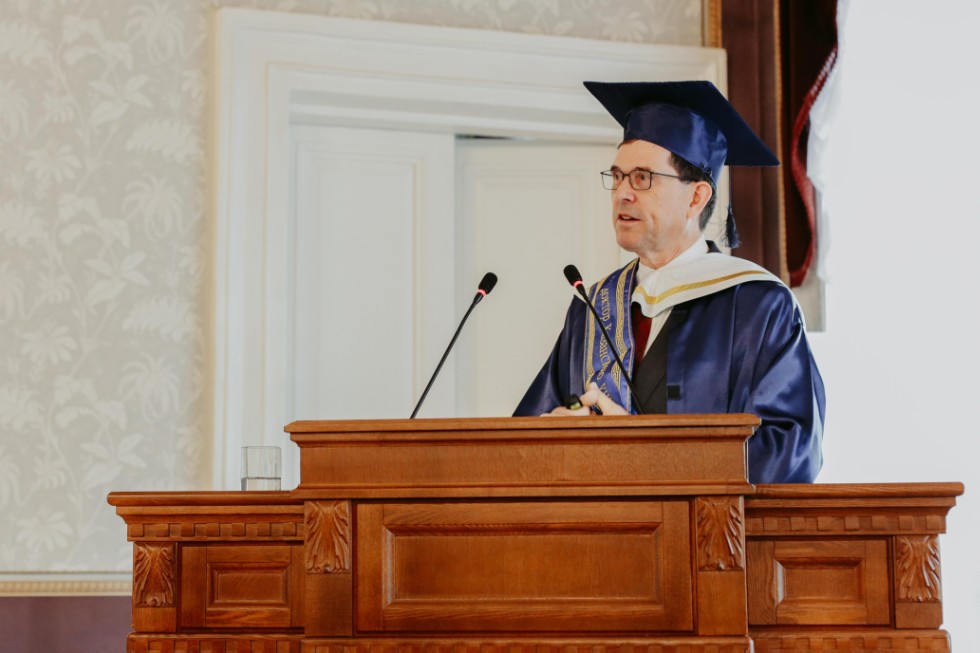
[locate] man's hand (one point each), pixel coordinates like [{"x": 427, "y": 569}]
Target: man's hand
[{"x": 593, "y": 399}]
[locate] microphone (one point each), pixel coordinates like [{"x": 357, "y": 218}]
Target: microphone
[
  {"x": 575, "y": 279},
  {"x": 486, "y": 285}
]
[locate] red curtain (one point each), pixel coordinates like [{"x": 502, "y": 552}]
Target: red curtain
[
  {"x": 808, "y": 55},
  {"x": 780, "y": 53}
]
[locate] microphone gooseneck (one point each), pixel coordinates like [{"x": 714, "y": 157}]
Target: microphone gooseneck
[
  {"x": 575, "y": 280},
  {"x": 486, "y": 285}
]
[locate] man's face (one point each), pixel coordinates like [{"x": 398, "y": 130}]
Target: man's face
[{"x": 660, "y": 223}]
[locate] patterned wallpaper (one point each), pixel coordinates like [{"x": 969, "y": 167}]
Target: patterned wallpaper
[{"x": 104, "y": 249}]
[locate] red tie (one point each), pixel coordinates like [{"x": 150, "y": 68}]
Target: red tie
[{"x": 641, "y": 332}]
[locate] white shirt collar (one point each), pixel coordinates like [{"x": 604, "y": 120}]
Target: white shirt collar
[{"x": 699, "y": 247}]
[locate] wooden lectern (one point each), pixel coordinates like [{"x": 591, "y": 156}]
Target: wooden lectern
[{"x": 537, "y": 535}]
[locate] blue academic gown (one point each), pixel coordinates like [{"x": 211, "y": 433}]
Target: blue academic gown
[{"x": 739, "y": 350}]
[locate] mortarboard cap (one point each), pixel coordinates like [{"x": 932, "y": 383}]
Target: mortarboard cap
[{"x": 691, "y": 119}]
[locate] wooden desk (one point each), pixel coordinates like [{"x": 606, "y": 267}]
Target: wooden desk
[{"x": 533, "y": 536}]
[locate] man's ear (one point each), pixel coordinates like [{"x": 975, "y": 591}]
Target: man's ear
[{"x": 699, "y": 199}]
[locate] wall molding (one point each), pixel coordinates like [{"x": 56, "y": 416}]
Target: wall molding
[{"x": 66, "y": 584}]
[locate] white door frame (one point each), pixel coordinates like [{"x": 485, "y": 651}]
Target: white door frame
[{"x": 275, "y": 69}]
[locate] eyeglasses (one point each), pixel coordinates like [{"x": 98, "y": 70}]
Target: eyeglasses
[{"x": 640, "y": 178}]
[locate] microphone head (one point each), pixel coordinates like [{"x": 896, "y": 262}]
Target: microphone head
[
  {"x": 487, "y": 284},
  {"x": 573, "y": 276}
]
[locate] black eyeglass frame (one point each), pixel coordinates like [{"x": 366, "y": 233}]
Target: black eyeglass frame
[{"x": 609, "y": 180}]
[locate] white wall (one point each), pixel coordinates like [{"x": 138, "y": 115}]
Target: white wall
[{"x": 901, "y": 353}]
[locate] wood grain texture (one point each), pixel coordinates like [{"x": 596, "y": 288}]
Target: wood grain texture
[
  {"x": 209, "y": 516},
  {"x": 517, "y": 644},
  {"x": 917, "y": 576},
  {"x": 329, "y": 605},
  {"x": 830, "y": 582},
  {"x": 496, "y": 428},
  {"x": 720, "y": 533},
  {"x": 154, "y": 620},
  {"x": 154, "y": 575},
  {"x": 248, "y": 586},
  {"x": 193, "y": 583},
  {"x": 216, "y": 643},
  {"x": 550, "y": 566},
  {"x": 638, "y": 455},
  {"x": 918, "y": 582},
  {"x": 241, "y": 586},
  {"x": 852, "y": 641},
  {"x": 721, "y": 603},
  {"x": 329, "y": 537},
  {"x": 864, "y": 554},
  {"x": 763, "y": 589},
  {"x": 720, "y": 565},
  {"x": 850, "y": 509}
]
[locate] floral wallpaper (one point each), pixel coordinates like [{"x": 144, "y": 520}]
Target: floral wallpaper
[{"x": 105, "y": 250}]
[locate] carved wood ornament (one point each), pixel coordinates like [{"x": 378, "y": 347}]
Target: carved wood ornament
[
  {"x": 721, "y": 534},
  {"x": 917, "y": 568},
  {"x": 328, "y": 537},
  {"x": 154, "y": 574}
]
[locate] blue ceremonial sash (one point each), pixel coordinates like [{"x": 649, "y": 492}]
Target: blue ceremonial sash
[{"x": 611, "y": 298}]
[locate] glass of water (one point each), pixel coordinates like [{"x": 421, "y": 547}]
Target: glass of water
[{"x": 261, "y": 468}]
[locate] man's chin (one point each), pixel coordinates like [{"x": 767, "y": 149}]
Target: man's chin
[{"x": 626, "y": 242}]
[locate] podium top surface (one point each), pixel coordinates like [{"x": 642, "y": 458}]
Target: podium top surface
[
  {"x": 525, "y": 456},
  {"x": 629, "y": 426}
]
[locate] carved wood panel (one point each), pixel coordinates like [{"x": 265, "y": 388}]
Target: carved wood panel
[
  {"x": 210, "y": 528},
  {"x": 917, "y": 576},
  {"x": 842, "y": 522},
  {"x": 241, "y": 585},
  {"x": 154, "y": 575},
  {"x": 721, "y": 535},
  {"x": 550, "y": 566},
  {"x": 328, "y": 539},
  {"x": 818, "y": 582}
]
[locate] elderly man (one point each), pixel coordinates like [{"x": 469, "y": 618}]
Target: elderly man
[{"x": 700, "y": 331}]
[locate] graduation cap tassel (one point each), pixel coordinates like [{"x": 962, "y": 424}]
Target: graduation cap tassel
[{"x": 731, "y": 231}]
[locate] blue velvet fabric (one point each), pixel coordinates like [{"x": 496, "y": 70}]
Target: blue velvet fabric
[
  {"x": 692, "y": 119},
  {"x": 740, "y": 350}
]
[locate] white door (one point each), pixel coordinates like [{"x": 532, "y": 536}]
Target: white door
[
  {"x": 386, "y": 265},
  {"x": 525, "y": 211},
  {"x": 373, "y": 269}
]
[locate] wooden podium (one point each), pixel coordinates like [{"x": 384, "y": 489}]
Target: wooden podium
[{"x": 537, "y": 535}]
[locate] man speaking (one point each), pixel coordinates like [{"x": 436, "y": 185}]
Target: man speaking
[{"x": 698, "y": 330}]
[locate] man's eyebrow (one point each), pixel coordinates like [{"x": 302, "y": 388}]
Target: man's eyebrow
[{"x": 618, "y": 169}]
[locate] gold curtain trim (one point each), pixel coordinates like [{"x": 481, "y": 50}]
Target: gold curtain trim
[{"x": 711, "y": 23}]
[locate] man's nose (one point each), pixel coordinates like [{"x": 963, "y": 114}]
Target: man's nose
[{"x": 624, "y": 193}]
